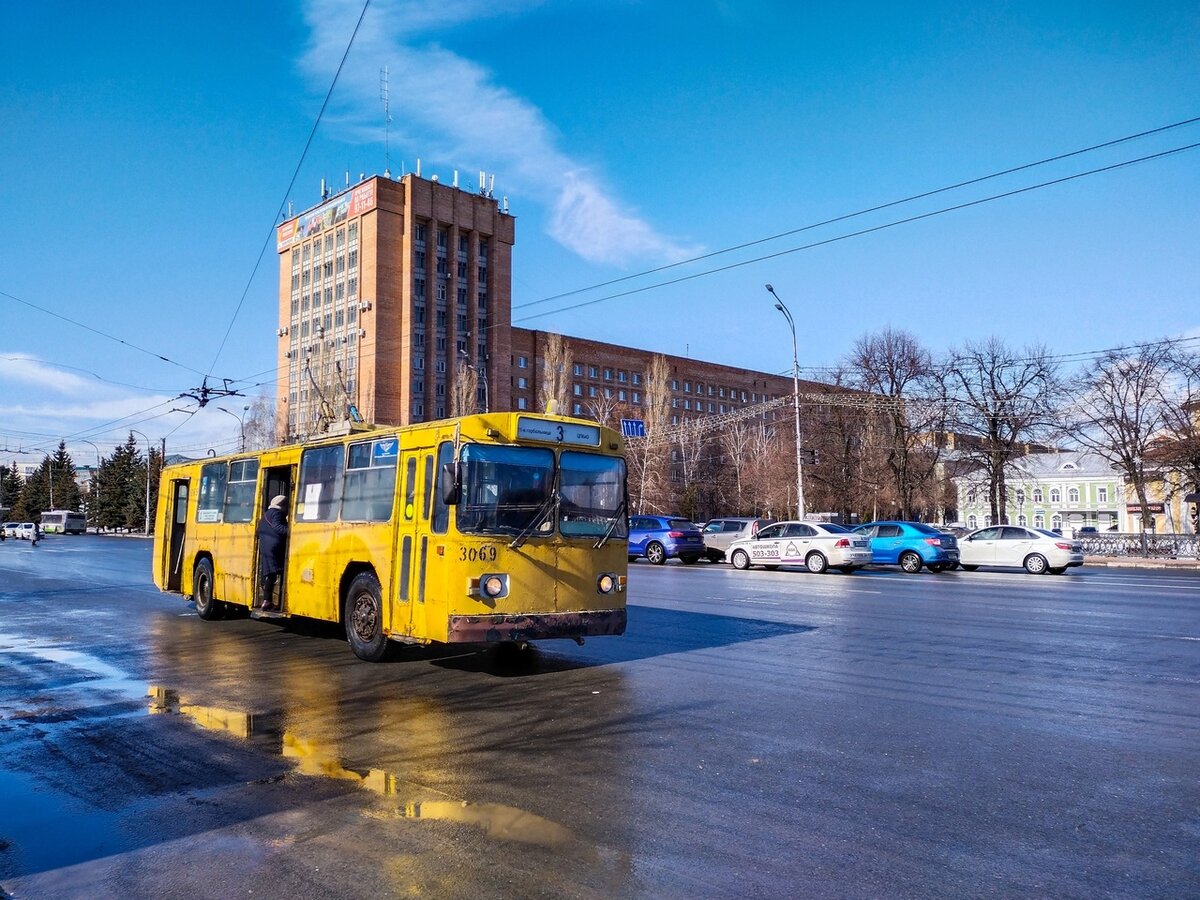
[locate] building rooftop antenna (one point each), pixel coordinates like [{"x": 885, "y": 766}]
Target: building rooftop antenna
[{"x": 387, "y": 122}]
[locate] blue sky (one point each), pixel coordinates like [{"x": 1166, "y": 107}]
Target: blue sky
[{"x": 147, "y": 149}]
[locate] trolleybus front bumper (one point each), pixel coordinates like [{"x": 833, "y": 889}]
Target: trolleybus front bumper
[{"x": 497, "y": 628}]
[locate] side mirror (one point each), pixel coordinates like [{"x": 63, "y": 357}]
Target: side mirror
[{"x": 450, "y": 483}]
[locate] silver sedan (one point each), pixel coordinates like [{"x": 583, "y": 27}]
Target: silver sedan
[
  {"x": 1015, "y": 545},
  {"x": 814, "y": 545}
]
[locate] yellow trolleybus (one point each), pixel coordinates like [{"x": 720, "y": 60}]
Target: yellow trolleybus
[{"x": 494, "y": 528}]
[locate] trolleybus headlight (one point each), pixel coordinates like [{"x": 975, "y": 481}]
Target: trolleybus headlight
[
  {"x": 491, "y": 585},
  {"x": 607, "y": 583}
]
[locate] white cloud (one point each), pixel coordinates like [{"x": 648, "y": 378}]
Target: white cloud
[
  {"x": 30, "y": 370},
  {"x": 452, "y": 109}
]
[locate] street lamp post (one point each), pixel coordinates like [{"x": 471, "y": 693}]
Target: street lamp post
[
  {"x": 241, "y": 425},
  {"x": 93, "y": 485},
  {"x": 146, "y": 520},
  {"x": 779, "y": 305}
]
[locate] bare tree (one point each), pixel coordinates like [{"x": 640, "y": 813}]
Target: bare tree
[
  {"x": 1124, "y": 410},
  {"x": 556, "y": 375},
  {"x": 465, "y": 400},
  {"x": 894, "y": 365},
  {"x": 258, "y": 427},
  {"x": 1179, "y": 451},
  {"x": 648, "y": 460},
  {"x": 738, "y": 444},
  {"x": 1003, "y": 402},
  {"x": 693, "y": 451}
]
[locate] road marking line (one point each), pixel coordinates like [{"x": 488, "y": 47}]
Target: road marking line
[{"x": 1175, "y": 637}]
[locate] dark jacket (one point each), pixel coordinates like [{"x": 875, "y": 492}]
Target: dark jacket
[{"x": 272, "y": 537}]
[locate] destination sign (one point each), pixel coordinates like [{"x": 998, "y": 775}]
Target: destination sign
[{"x": 558, "y": 432}]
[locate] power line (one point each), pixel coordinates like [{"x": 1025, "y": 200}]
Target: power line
[
  {"x": 291, "y": 184},
  {"x": 865, "y": 231},
  {"x": 103, "y": 334},
  {"x": 862, "y": 212}
]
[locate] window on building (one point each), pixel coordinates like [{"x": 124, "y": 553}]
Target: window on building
[
  {"x": 522, "y": 362},
  {"x": 1037, "y": 495},
  {"x": 1073, "y": 495},
  {"x": 577, "y": 370},
  {"x": 1055, "y": 495},
  {"x": 522, "y": 403},
  {"x": 1102, "y": 495},
  {"x": 593, "y": 372}
]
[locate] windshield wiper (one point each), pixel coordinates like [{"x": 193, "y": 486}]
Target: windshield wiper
[
  {"x": 538, "y": 518},
  {"x": 612, "y": 526}
]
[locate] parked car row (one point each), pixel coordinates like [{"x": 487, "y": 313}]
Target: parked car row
[
  {"x": 746, "y": 541},
  {"x": 22, "y": 530}
]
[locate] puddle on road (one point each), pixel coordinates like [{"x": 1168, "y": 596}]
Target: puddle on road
[
  {"x": 316, "y": 759},
  {"x": 33, "y": 814}
]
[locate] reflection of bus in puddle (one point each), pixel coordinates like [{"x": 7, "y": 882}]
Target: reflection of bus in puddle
[{"x": 316, "y": 759}]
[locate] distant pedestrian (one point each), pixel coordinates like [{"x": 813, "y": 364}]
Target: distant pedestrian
[{"x": 272, "y": 545}]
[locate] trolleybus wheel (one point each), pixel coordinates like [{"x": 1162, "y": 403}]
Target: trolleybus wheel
[
  {"x": 364, "y": 618},
  {"x": 202, "y": 591}
]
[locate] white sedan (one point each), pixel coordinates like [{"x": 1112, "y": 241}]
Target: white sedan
[
  {"x": 814, "y": 545},
  {"x": 1039, "y": 551}
]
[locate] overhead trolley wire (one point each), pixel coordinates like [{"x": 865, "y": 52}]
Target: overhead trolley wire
[
  {"x": 866, "y": 231},
  {"x": 295, "y": 174},
  {"x": 862, "y": 212}
]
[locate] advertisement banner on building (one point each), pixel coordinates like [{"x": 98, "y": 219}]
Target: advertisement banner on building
[
  {"x": 336, "y": 211},
  {"x": 1150, "y": 508}
]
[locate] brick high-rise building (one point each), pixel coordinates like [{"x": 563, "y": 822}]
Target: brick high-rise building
[{"x": 385, "y": 290}]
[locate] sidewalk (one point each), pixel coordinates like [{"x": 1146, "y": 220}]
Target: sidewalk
[{"x": 1141, "y": 562}]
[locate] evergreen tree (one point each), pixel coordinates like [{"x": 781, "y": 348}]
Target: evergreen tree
[
  {"x": 10, "y": 486},
  {"x": 65, "y": 492},
  {"x": 117, "y": 488},
  {"x": 35, "y": 494}
]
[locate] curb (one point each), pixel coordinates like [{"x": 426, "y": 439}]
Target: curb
[{"x": 1116, "y": 562}]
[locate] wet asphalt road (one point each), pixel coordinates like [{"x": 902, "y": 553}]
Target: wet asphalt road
[{"x": 765, "y": 734}]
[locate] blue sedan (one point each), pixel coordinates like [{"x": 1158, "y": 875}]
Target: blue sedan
[{"x": 911, "y": 545}]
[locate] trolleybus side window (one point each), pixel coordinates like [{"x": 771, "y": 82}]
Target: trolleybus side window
[
  {"x": 410, "y": 487},
  {"x": 239, "y": 494},
  {"x": 428, "y": 485},
  {"x": 370, "y": 487},
  {"x": 441, "y": 512},
  {"x": 212, "y": 492},
  {"x": 320, "y": 484}
]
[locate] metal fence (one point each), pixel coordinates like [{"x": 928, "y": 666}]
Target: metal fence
[{"x": 1155, "y": 546}]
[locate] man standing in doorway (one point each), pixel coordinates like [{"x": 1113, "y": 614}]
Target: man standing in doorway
[{"x": 272, "y": 542}]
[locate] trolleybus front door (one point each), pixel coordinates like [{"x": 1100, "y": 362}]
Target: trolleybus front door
[{"x": 178, "y": 525}]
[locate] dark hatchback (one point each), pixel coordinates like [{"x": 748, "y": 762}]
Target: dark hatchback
[{"x": 911, "y": 545}]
